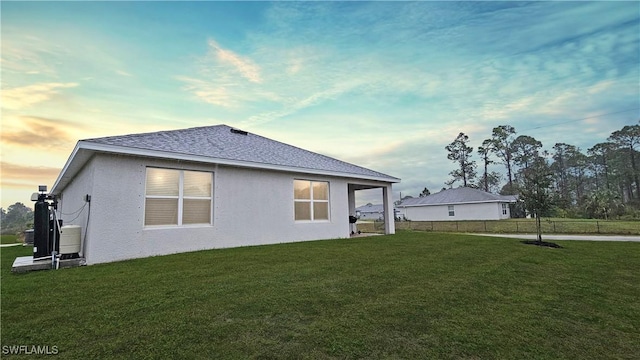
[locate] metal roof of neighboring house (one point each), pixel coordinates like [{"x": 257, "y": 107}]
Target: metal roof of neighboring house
[
  {"x": 220, "y": 144},
  {"x": 377, "y": 208},
  {"x": 461, "y": 195}
]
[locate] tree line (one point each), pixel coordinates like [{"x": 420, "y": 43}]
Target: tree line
[
  {"x": 17, "y": 218},
  {"x": 602, "y": 182}
]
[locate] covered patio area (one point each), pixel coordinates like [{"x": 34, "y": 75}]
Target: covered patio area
[{"x": 387, "y": 201}]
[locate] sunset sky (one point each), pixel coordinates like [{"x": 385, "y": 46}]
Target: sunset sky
[{"x": 385, "y": 85}]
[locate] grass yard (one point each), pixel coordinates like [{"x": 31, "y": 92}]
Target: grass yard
[
  {"x": 8, "y": 239},
  {"x": 412, "y": 295}
]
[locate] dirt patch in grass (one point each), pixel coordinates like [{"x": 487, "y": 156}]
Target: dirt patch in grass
[{"x": 542, "y": 243}]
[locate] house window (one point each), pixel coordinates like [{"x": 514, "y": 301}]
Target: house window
[
  {"x": 504, "y": 209},
  {"x": 177, "y": 197},
  {"x": 452, "y": 212},
  {"x": 311, "y": 200}
]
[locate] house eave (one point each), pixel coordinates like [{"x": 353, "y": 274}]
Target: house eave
[
  {"x": 84, "y": 150},
  {"x": 70, "y": 168}
]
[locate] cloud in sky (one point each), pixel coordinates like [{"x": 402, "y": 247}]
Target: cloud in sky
[
  {"x": 26, "y": 96},
  {"x": 37, "y": 132},
  {"x": 207, "y": 91},
  {"x": 122, "y": 73},
  {"x": 384, "y": 85},
  {"x": 222, "y": 73},
  {"x": 550, "y": 69},
  {"x": 29, "y": 54},
  {"x": 247, "y": 68},
  {"x": 26, "y": 177}
]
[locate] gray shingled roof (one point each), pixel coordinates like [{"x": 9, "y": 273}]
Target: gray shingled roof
[
  {"x": 459, "y": 195},
  {"x": 219, "y": 142},
  {"x": 371, "y": 208}
]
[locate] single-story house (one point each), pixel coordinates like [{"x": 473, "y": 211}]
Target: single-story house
[
  {"x": 462, "y": 203},
  {"x": 201, "y": 188},
  {"x": 370, "y": 212}
]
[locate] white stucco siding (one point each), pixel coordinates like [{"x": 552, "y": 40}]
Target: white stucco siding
[
  {"x": 72, "y": 207},
  {"x": 117, "y": 210},
  {"x": 257, "y": 207},
  {"x": 250, "y": 207},
  {"x": 477, "y": 211}
]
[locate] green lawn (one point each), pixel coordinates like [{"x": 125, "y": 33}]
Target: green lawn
[
  {"x": 412, "y": 295},
  {"x": 8, "y": 239}
]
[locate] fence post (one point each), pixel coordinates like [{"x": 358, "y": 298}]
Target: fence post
[
  {"x": 517, "y": 227},
  {"x": 457, "y": 226},
  {"x": 485, "y": 226},
  {"x": 598, "y": 226},
  {"x": 432, "y": 226},
  {"x": 554, "y": 226}
]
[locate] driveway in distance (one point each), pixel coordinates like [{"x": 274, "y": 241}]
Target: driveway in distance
[{"x": 568, "y": 237}]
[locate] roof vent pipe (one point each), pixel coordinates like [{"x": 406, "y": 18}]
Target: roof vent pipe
[{"x": 238, "y": 131}]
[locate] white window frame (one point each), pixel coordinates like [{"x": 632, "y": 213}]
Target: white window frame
[
  {"x": 180, "y": 199},
  {"x": 504, "y": 209},
  {"x": 311, "y": 201},
  {"x": 452, "y": 210}
]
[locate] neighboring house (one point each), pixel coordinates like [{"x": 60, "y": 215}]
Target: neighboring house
[
  {"x": 210, "y": 187},
  {"x": 370, "y": 212},
  {"x": 457, "y": 204}
]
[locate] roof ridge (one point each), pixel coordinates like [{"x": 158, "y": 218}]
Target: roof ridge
[{"x": 157, "y": 132}]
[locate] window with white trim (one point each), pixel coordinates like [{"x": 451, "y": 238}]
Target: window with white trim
[
  {"x": 504, "y": 209},
  {"x": 177, "y": 197},
  {"x": 452, "y": 211},
  {"x": 311, "y": 200}
]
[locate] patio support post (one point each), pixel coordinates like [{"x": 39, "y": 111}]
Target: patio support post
[
  {"x": 390, "y": 219},
  {"x": 351, "y": 202},
  {"x": 351, "y": 199}
]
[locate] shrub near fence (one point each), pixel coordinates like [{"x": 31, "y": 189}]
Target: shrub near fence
[{"x": 513, "y": 226}]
